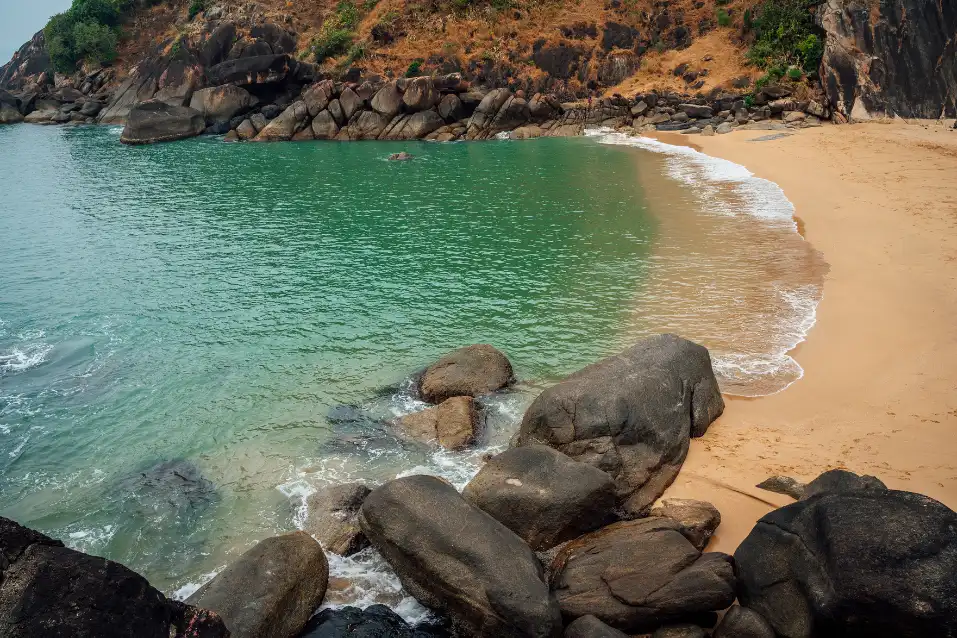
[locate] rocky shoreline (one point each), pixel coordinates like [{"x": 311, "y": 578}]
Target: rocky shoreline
[{"x": 563, "y": 534}]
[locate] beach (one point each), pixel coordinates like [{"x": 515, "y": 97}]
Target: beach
[{"x": 879, "y": 391}]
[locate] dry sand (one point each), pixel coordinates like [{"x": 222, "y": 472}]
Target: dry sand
[{"x": 879, "y": 394}]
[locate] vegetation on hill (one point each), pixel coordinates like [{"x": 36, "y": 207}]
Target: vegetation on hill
[
  {"x": 786, "y": 39},
  {"x": 88, "y": 30}
]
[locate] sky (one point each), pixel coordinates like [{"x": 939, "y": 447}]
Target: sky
[{"x": 20, "y": 19}]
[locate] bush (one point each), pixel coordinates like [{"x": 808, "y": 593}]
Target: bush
[
  {"x": 94, "y": 42},
  {"x": 347, "y": 15},
  {"x": 197, "y": 7},
  {"x": 88, "y": 31},
  {"x": 414, "y": 69},
  {"x": 785, "y": 35},
  {"x": 724, "y": 19},
  {"x": 795, "y": 73},
  {"x": 330, "y": 43}
]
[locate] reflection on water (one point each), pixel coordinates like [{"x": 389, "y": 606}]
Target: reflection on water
[{"x": 248, "y": 311}]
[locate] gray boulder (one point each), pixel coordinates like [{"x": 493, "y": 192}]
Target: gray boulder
[
  {"x": 863, "y": 563},
  {"x": 271, "y": 590},
  {"x": 221, "y": 103},
  {"x": 387, "y": 100},
  {"x": 783, "y": 485},
  {"x": 420, "y": 94},
  {"x": 334, "y": 518},
  {"x": 151, "y": 122},
  {"x": 698, "y": 519},
  {"x": 641, "y": 574},
  {"x": 317, "y": 97},
  {"x": 470, "y": 371},
  {"x": 695, "y": 110},
  {"x": 451, "y": 109},
  {"x": 591, "y": 627},
  {"x": 741, "y": 622},
  {"x": 454, "y": 557},
  {"x": 350, "y": 102},
  {"x": 287, "y": 124},
  {"x": 453, "y": 423},
  {"x": 324, "y": 126},
  {"x": 91, "y": 108},
  {"x": 841, "y": 481},
  {"x": 684, "y": 630},
  {"x": 631, "y": 415},
  {"x": 542, "y": 495},
  {"x": 9, "y": 114},
  {"x": 49, "y": 590}
]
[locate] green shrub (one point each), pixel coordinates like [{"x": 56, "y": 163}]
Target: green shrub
[
  {"x": 94, "y": 42},
  {"x": 795, "y": 73},
  {"x": 724, "y": 19},
  {"x": 87, "y": 31},
  {"x": 331, "y": 43},
  {"x": 785, "y": 35},
  {"x": 196, "y": 7},
  {"x": 414, "y": 69},
  {"x": 347, "y": 15}
]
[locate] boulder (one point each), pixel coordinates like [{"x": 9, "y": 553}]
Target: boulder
[
  {"x": 451, "y": 109},
  {"x": 487, "y": 110},
  {"x": 793, "y": 117},
  {"x": 256, "y": 69},
  {"x": 91, "y": 108},
  {"x": 324, "y": 127},
  {"x": 177, "y": 486},
  {"x": 741, "y": 622},
  {"x": 542, "y": 495},
  {"x": 335, "y": 110},
  {"x": 303, "y": 135},
  {"x": 413, "y": 127},
  {"x": 698, "y": 519},
  {"x": 452, "y": 423},
  {"x": 49, "y": 590},
  {"x": 401, "y": 157},
  {"x": 543, "y": 107},
  {"x": 591, "y": 627},
  {"x": 287, "y": 124},
  {"x": 684, "y": 630},
  {"x": 333, "y": 518},
  {"x": 150, "y": 122},
  {"x": 420, "y": 94},
  {"x": 841, "y": 481},
  {"x": 246, "y": 131},
  {"x": 221, "y": 103},
  {"x": 631, "y": 415},
  {"x": 387, "y": 100},
  {"x": 470, "y": 371},
  {"x": 641, "y": 574},
  {"x": 783, "y": 485},
  {"x": 375, "y": 621},
  {"x": 231, "y": 136},
  {"x": 723, "y": 128},
  {"x": 350, "y": 102},
  {"x": 271, "y": 590},
  {"x": 317, "y": 97},
  {"x": 368, "y": 126},
  {"x": 695, "y": 110},
  {"x": 39, "y": 117},
  {"x": 9, "y": 114},
  {"x": 454, "y": 557},
  {"x": 867, "y": 562}
]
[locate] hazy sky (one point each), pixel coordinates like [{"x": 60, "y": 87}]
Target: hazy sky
[{"x": 20, "y": 19}]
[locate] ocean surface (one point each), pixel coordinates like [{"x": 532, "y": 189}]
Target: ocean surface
[{"x": 246, "y": 315}]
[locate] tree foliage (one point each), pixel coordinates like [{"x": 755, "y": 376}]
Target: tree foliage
[
  {"x": 785, "y": 35},
  {"x": 88, "y": 30}
]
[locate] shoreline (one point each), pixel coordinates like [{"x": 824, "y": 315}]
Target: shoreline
[{"x": 880, "y": 361}]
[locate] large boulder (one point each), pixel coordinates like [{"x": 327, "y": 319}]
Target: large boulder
[
  {"x": 452, "y": 423},
  {"x": 698, "y": 519},
  {"x": 451, "y": 109},
  {"x": 271, "y": 590},
  {"x": 49, "y": 590},
  {"x": 641, "y": 574},
  {"x": 289, "y": 122},
  {"x": 420, "y": 94},
  {"x": 631, "y": 415},
  {"x": 375, "y": 621},
  {"x": 741, "y": 622},
  {"x": 486, "y": 111},
  {"x": 9, "y": 114},
  {"x": 317, "y": 97},
  {"x": 257, "y": 69},
  {"x": 454, "y": 557},
  {"x": 350, "y": 102},
  {"x": 151, "y": 122},
  {"x": 591, "y": 627},
  {"x": 861, "y": 563},
  {"x": 387, "y": 100},
  {"x": 470, "y": 371},
  {"x": 542, "y": 495},
  {"x": 221, "y": 103},
  {"x": 841, "y": 481},
  {"x": 333, "y": 517},
  {"x": 324, "y": 127},
  {"x": 413, "y": 127}
]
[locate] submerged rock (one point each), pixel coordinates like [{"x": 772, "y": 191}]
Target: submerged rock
[
  {"x": 470, "y": 371},
  {"x": 631, "y": 415},
  {"x": 176, "y": 485},
  {"x": 151, "y": 122},
  {"x": 453, "y": 423},
  {"x": 333, "y": 518},
  {"x": 271, "y": 590},
  {"x": 638, "y": 575},
  {"x": 49, "y": 590},
  {"x": 455, "y": 558},
  {"x": 871, "y": 563},
  {"x": 542, "y": 495},
  {"x": 400, "y": 157}
]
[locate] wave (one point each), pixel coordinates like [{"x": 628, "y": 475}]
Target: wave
[{"x": 22, "y": 358}]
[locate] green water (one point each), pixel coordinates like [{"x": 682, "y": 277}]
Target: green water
[{"x": 217, "y": 303}]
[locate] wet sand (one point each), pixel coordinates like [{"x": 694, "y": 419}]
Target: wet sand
[{"x": 879, "y": 393}]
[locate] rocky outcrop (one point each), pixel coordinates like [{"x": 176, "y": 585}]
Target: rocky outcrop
[
  {"x": 698, "y": 519},
  {"x": 453, "y": 423},
  {"x": 49, "y": 590},
  {"x": 334, "y": 518},
  {"x": 30, "y": 67},
  {"x": 271, "y": 590},
  {"x": 639, "y": 575},
  {"x": 221, "y": 103},
  {"x": 542, "y": 495},
  {"x": 283, "y": 128},
  {"x": 859, "y": 563},
  {"x": 455, "y": 558},
  {"x": 470, "y": 371},
  {"x": 151, "y": 122},
  {"x": 893, "y": 58},
  {"x": 631, "y": 415}
]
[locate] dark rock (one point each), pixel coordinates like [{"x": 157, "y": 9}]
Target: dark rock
[
  {"x": 376, "y": 621},
  {"x": 841, "y": 481},
  {"x": 698, "y": 519},
  {"x": 470, "y": 371},
  {"x": 561, "y": 61},
  {"x": 286, "y": 124},
  {"x": 864, "y": 563},
  {"x": 542, "y": 495},
  {"x": 176, "y": 485},
  {"x": 220, "y": 128},
  {"x": 221, "y": 103},
  {"x": 673, "y": 126},
  {"x": 741, "y": 622},
  {"x": 618, "y": 36},
  {"x": 452, "y": 423},
  {"x": 278, "y": 39},
  {"x": 451, "y": 109},
  {"x": 591, "y": 627},
  {"x": 421, "y": 94},
  {"x": 49, "y": 590},
  {"x": 387, "y": 100},
  {"x": 259, "y": 69},
  {"x": 270, "y": 111},
  {"x": 271, "y": 590},
  {"x": 91, "y": 108},
  {"x": 29, "y": 65},
  {"x": 9, "y": 114},
  {"x": 151, "y": 122},
  {"x": 638, "y": 575},
  {"x": 685, "y": 630},
  {"x": 631, "y": 415},
  {"x": 696, "y": 110},
  {"x": 333, "y": 518},
  {"x": 454, "y": 557}
]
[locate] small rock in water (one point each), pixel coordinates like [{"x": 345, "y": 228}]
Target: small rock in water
[
  {"x": 400, "y": 157},
  {"x": 841, "y": 481},
  {"x": 177, "y": 484},
  {"x": 333, "y": 520},
  {"x": 471, "y": 371}
]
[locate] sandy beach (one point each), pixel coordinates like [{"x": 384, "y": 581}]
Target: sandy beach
[{"x": 879, "y": 393}]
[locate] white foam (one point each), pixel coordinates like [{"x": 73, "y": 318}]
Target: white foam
[
  {"x": 24, "y": 358},
  {"x": 90, "y": 540},
  {"x": 371, "y": 581},
  {"x": 189, "y": 589}
]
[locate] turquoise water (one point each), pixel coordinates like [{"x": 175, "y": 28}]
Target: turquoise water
[{"x": 250, "y": 309}]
